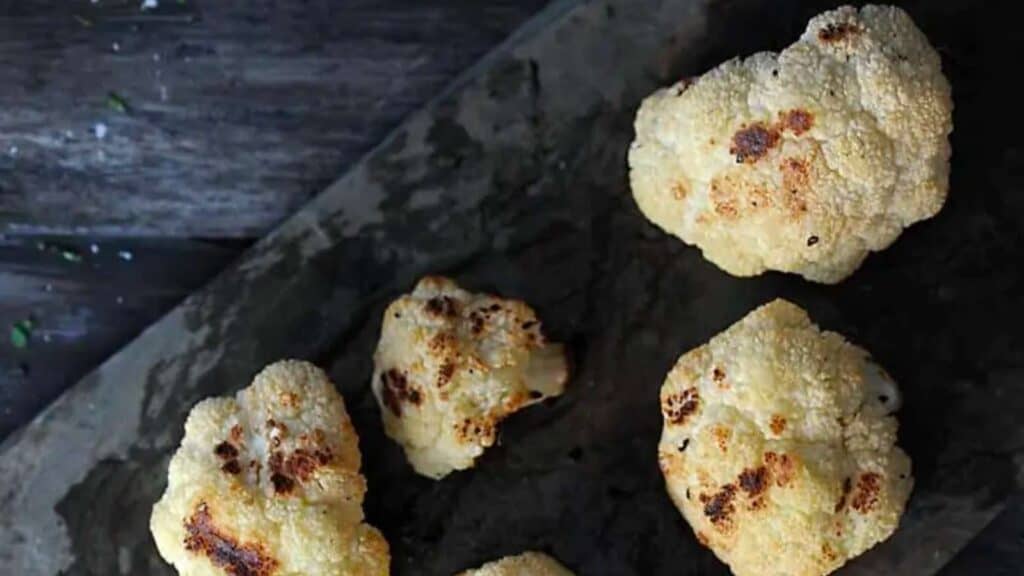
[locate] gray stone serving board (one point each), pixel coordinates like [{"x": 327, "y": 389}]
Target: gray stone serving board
[{"x": 514, "y": 181}]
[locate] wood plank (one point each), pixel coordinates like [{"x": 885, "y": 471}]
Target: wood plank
[
  {"x": 84, "y": 300},
  {"x": 239, "y": 111}
]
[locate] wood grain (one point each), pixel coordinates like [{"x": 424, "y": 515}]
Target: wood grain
[{"x": 238, "y": 111}]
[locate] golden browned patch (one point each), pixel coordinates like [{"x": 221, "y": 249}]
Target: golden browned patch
[
  {"x": 396, "y": 390},
  {"x": 702, "y": 538},
  {"x": 236, "y": 434},
  {"x": 796, "y": 121},
  {"x": 722, "y": 435},
  {"x": 847, "y": 486},
  {"x": 678, "y": 407},
  {"x": 679, "y": 191},
  {"x": 289, "y": 400},
  {"x": 837, "y": 32},
  {"x": 777, "y": 424},
  {"x": 754, "y": 481},
  {"x": 865, "y": 497},
  {"x": 751, "y": 143},
  {"x": 781, "y": 466},
  {"x": 828, "y": 553},
  {"x": 204, "y": 537}
]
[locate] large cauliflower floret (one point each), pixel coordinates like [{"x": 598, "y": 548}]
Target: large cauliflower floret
[
  {"x": 268, "y": 483},
  {"x": 779, "y": 447},
  {"x": 451, "y": 365},
  {"x": 803, "y": 161},
  {"x": 525, "y": 564}
]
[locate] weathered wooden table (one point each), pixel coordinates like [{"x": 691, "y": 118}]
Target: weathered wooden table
[{"x": 218, "y": 119}]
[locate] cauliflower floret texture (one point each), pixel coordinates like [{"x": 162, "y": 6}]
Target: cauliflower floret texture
[
  {"x": 803, "y": 161},
  {"x": 268, "y": 483},
  {"x": 526, "y": 564},
  {"x": 779, "y": 448},
  {"x": 450, "y": 365}
]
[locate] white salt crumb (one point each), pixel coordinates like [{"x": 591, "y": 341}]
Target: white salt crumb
[
  {"x": 48, "y": 287},
  {"x": 156, "y": 57},
  {"x": 120, "y": 300},
  {"x": 13, "y": 151},
  {"x": 100, "y": 130},
  {"x": 115, "y": 47},
  {"x": 46, "y": 337},
  {"x": 69, "y": 134},
  {"x": 149, "y": 4},
  {"x": 94, "y": 249},
  {"x": 125, "y": 255},
  {"x": 163, "y": 93}
]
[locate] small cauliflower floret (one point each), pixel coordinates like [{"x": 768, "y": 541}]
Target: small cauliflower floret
[
  {"x": 451, "y": 365},
  {"x": 268, "y": 483},
  {"x": 525, "y": 564},
  {"x": 779, "y": 446},
  {"x": 803, "y": 161}
]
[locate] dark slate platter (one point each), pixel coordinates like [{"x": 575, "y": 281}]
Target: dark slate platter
[{"x": 514, "y": 181}]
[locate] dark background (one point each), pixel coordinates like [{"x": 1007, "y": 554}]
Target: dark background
[{"x": 222, "y": 117}]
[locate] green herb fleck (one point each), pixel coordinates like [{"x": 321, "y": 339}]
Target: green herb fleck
[
  {"x": 117, "y": 103},
  {"x": 20, "y": 333},
  {"x": 70, "y": 255}
]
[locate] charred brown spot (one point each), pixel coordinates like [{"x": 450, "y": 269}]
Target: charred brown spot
[
  {"x": 528, "y": 324},
  {"x": 225, "y": 451},
  {"x": 204, "y": 537},
  {"x": 847, "y": 486},
  {"x": 535, "y": 394},
  {"x": 722, "y": 435},
  {"x": 781, "y": 466},
  {"x": 796, "y": 121},
  {"x": 777, "y": 424},
  {"x": 396, "y": 390},
  {"x": 717, "y": 374},
  {"x": 838, "y": 31},
  {"x": 684, "y": 85},
  {"x": 282, "y": 484},
  {"x": 236, "y": 433},
  {"x": 755, "y": 481},
  {"x": 811, "y": 241},
  {"x": 281, "y": 427},
  {"x": 751, "y": 143},
  {"x": 702, "y": 538},
  {"x": 470, "y": 430},
  {"x": 441, "y": 306},
  {"x": 494, "y": 307},
  {"x": 445, "y": 373},
  {"x": 678, "y": 407},
  {"x": 719, "y": 508},
  {"x": 232, "y": 467},
  {"x": 869, "y": 487},
  {"x": 476, "y": 323}
]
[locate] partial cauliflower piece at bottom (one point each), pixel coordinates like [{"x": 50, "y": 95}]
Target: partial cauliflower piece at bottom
[
  {"x": 451, "y": 365},
  {"x": 779, "y": 448},
  {"x": 268, "y": 483},
  {"x": 803, "y": 161},
  {"x": 525, "y": 564}
]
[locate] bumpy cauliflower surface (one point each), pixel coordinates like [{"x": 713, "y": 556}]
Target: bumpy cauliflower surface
[
  {"x": 450, "y": 365},
  {"x": 779, "y": 447},
  {"x": 525, "y": 564},
  {"x": 803, "y": 161},
  {"x": 268, "y": 483}
]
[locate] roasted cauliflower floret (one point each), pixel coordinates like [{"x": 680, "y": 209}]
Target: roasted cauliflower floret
[
  {"x": 525, "y": 564},
  {"x": 803, "y": 161},
  {"x": 268, "y": 483},
  {"x": 451, "y": 365},
  {"x": 779, "y": 446}
]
